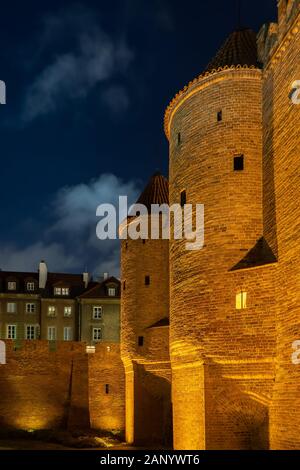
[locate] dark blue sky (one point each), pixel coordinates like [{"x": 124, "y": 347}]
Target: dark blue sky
[{"x": 87, "y": 86}]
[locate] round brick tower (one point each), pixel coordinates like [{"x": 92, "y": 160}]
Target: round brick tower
[
  {"x": 214, "y": 127},
  {"x": 144, "y": 326}
]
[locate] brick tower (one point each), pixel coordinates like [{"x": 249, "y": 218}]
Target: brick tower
[
  {"x": 280, "y": 51},
  {"x": 214, "y": 127},
  {"x": 145, "y": 330}
]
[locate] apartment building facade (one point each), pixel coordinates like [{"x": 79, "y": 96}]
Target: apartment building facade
[{"x": 58, "y": 307}]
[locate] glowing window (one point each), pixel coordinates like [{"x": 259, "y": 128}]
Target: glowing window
[
  {"x": 12, "y": 285},
  {"x": 241, "y": 300},
  {"x": 67, "y": 311},
  {"x": 30, "y": 286},
  {"x": 52, "y": 311}
]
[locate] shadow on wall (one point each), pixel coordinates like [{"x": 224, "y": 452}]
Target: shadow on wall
[
  {"x": 153, "y": 409},
  {"x": 239, "y": 423}
]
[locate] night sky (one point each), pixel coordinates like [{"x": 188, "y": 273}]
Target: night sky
[{"x": 87, "y": 86}]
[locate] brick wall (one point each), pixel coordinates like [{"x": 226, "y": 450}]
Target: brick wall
[
  {"x": 222, "y": 358},
  {"x": 46, "y": 386},
  {"x": 282, "y": 142}
]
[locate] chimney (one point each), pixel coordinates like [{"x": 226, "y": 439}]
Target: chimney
[
  {"x": 86, "y": 279},
  {"x": 105, "y": 276},
  {"x": 43, "y": 272}
]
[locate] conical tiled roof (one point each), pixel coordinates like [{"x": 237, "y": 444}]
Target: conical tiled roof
[
  {"x": 240, "y": 48},
  {"x": 156, "y": 191}
]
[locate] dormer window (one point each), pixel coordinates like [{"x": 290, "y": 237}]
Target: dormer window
[
  {"x": 61, "y": 291},
  {"x": 11, "y": 285},
  {"x": 30, "y": 286},
  {"x": 111, "y": 291}
]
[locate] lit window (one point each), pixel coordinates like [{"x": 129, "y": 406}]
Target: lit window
[
  {"x": 241, "y": 300},
  {"x": 111, "y": 291},
  {"x": 51, "y": 311},
  {"x": 11, "y": 307},
  {"x": 67, "y": 311},
  {"x": 30, "y": 308},
  {"x": 30, "y": 332},
  {"x": 11, "y": 332},
  {"x": 61, "y": 290},
  {"x": 51, "y": 333},
  {"x": 67, "y": 333},
  {"x": 183, "y": 198},
  {"x": 97, "y": 313},
  {"x": 12, "y": 285},
  {"x": 30, "y": 286},
  {"x": 238, "y": 163},
  {"x": 97, "y": 334}
]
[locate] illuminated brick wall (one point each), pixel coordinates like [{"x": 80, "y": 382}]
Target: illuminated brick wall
[
  {"x": 222, "y": 358},
  {"x": 146, "y": 360},
  {"x": 282, "y": 142},
  {"x": 60, "y": 386}
]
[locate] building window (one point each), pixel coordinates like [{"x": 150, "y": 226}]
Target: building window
[
  {"x": 219, "y": 116},
  {"x": 178, "y": 138},
  {"x": 30, "y": 286},
  {"x": 97, "y": 313},
  {"x": 30, "y": 332},
  {"x": 238, "y": 163},
  {"x": 11, "y": 332},
  {"x": 241, "y": 300},
  {"x": 11, "y": 285},
  {"x": 141, "y": 340},
  {"x": 97, "y": 334},
  {"x": 183, "y": 198},
  {"x": 11, "y": 307},
  {"x": 124, "y": 285},
  {"x": 67, "y": 333},
  {"x": 107, "y": 389},
  {"x": 30, "y": 308},
  {"x": 67, "y": 311},
  {"x": 51, "y": 333},
  {"x": 51, "y": 311},
  {"x": 61, "y": 291},
  {"x": 111, "y": 291},
  {"x": 147, "y": 280}
]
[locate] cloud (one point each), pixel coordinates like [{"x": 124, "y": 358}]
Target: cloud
[
  {"x": 70, "y": 242},
  {"x": 116, "y": 99},
  {"x": 28, "y": 258},
  {"x": 93, "y": 59}
]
